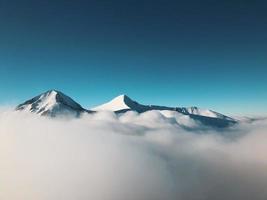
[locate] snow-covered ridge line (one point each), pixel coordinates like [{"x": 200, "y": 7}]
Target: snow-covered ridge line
[
  {"x": 123, "y": 103},
  {"x": 54, "y": 103}
]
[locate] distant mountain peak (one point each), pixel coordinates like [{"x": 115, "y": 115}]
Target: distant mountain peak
[
  {"x": 121, "y": 102},
  {"x": 124, "y": 103},
  {"x": 52, "y": 103}
]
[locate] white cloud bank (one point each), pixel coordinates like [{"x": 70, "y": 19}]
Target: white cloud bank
[{"x": 131, "y": 157}]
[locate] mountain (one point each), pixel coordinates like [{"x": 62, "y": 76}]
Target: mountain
[
  {"x": 52, "y": 103},
  {"x": 123, "y": 103}
]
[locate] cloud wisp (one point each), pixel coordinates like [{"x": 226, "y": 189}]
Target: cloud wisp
[{"x": 129, "y": 157}]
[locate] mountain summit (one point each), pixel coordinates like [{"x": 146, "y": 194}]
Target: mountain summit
[
  {"x": 121, "y": 103},
  {"x": 52, "y": 103}
]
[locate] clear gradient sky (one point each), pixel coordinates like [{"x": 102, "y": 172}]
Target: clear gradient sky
[{"x": 211, "y": 54}]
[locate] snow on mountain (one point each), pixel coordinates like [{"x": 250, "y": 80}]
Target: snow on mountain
[
  {"x": 123, "y": 103},
  {"x": 203, "y": 112},
  {"x": 118, "y": 103},
  {"x": 52, "y": 103}
]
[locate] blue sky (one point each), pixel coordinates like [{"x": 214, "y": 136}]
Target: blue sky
[{"x": 178, "y": 53}]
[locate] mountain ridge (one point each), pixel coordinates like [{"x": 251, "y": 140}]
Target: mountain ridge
[
  {"x": 124, "y": 103},
  {"x": 54, "y": 103}
]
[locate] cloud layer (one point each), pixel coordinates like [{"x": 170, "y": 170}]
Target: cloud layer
[{"x": 130, "y": 157}]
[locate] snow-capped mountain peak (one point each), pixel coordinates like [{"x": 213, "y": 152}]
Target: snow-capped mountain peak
[
  {"x": 121, "y": 102},
  {"x": 52, "y": 103}
]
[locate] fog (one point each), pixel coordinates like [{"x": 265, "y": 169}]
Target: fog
[{"x": 129, "y": 157}]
